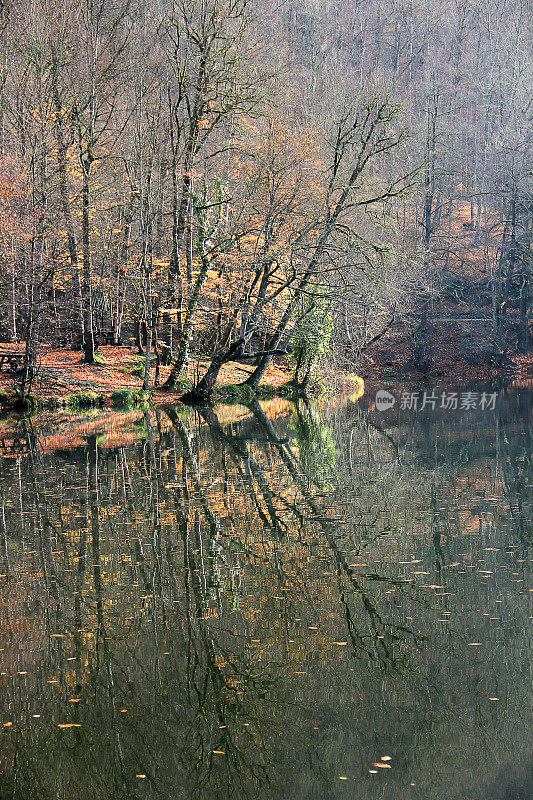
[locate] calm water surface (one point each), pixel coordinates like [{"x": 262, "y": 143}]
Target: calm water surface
[{"x": 282, "y": 603}]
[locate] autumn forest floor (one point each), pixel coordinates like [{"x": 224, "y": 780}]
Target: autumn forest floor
[
  {"x": 62, "y": 377},
  {"x": 62, "y": 374},
  {"x": 448, "y": 362}
]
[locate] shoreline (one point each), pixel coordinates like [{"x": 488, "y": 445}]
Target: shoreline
[{"x": 64, "y": 383}]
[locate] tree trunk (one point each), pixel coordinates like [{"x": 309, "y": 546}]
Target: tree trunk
[
  {"x": 88, "y": 336},
  {"x": 204, "y": 390},
  {"x": 122, "y": 269},
  {"x": 188, "y": 327},
  {"x": 12, "y": 299},
  {"x": 422, "y": 349},
  {"x": 64, "y": 194}
]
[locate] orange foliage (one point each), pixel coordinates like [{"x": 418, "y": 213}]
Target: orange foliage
[{"x": 16, "y": 217}]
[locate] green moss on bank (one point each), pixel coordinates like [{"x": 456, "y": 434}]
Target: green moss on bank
[
  {"x": 84, "y": 400},
  {"x": 127, "y": 398},
  {"x": 234, "y": 393}
]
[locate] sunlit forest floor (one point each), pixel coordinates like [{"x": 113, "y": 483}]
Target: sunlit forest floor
[{"x": 62, "y": 373}]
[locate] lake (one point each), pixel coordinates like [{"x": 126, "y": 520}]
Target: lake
[{"x": 284, "y": 602}]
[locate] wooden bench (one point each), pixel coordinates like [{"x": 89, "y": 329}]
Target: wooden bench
[{"x": 13, "y": 358}]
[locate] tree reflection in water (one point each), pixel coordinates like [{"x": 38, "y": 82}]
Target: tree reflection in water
[{"x": 207, "y": 609}]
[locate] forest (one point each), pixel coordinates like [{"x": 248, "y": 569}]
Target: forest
[
  {"x": 266, "y": 373},
  {"x": 209, "y": 182}
]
